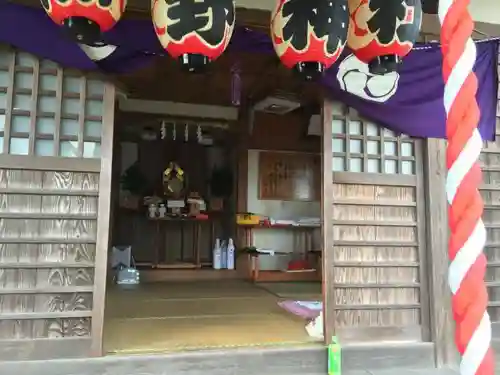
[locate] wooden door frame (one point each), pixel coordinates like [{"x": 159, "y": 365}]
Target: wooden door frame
[
  {"x": 103, "y": 221},
  {"x": 436, "y": 213},
  {"x": 433, "y": 315},
  {"x": 33, "y": 161},
  {"x": 327, "y": 278}
]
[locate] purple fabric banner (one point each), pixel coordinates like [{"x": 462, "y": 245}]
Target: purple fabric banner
[{"x": 409, "y": 101}]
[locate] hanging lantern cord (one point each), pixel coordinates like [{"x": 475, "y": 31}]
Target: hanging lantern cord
[
  {"x": 235, "y": 85},
  {"x": 467, "y": 232}
]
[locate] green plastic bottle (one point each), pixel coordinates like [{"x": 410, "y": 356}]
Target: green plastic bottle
[{"x": 334, "y": 357}]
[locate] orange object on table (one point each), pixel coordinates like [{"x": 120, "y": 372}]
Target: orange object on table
[{"x": 296, "y": 265}]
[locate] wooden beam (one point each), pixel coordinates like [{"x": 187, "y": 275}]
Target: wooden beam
[
  {"x": 104, "y": 214},
  {"x": 141, "y": 9},
  {"x": 327, "y": 227},
  {"x": 290, "y": 360},
  {"x": 178, "y": 109},
  {"x": 441, "y": 319},
  {"x": 422, "y": 241},
  {"x": 255, "y": 14},
  {"x": 49, "y": 163},
  {"x": 18, "y": 351},
  {"x": 9, "y": 100},
  {"x": 373, "y": 179}
]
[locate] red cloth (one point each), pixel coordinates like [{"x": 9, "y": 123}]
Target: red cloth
[{"x": 298, "y": 265}]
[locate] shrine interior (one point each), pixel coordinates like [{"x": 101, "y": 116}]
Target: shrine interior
[{"x": 172, "y": 229}]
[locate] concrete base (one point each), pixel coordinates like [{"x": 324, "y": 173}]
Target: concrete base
[{"x": 310, "y": 360}]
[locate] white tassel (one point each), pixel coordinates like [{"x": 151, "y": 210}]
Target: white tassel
[
  {"x": 198, "y": 133},
  {"x": 163, "y": 130}
]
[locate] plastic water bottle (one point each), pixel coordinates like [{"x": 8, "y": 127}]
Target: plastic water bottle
[
  {"x": 230, "y": 255},
  {"x": 223, "y": 255},
  {"x": 217, "y": 255}
]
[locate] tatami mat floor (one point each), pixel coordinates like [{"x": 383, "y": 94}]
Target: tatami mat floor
[{"x": 162, "y": 317}]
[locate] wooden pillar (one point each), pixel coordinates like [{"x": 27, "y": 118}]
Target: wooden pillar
[
  {"x": 327, "y": 223},
  {"x": 442, "y": 326},
  {"x": 242, "y": 178},
  {"x": 103, "y": 221}
]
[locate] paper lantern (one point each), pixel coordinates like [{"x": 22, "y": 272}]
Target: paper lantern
[
  {"x": 383, "y": 32},
  {"x": 309, "y": 35},
  {"x": 85, "y": 20},
  {"x": 194, "y": 32}
]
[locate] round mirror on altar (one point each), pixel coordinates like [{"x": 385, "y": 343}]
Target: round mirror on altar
[{"x": 174, "y": 182}]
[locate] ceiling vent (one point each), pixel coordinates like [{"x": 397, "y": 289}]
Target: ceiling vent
[{"x": 277, "y": 104}]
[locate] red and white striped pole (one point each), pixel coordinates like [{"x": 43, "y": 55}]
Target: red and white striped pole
[{"x": 467, "y": 232}]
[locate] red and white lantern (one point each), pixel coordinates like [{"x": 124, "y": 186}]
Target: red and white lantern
[
  {"x": 85, "y": 20},
  {"x": 194, "y": 32},
  {"x": 383, "y": 32},
  {"x": 309, "y": 35}
]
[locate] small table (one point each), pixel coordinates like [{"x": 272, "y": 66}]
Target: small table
[
  {"x": 161, "y": 240},
  {"x": 248, "y": 265},
  {"x": 248, "y": 230}
]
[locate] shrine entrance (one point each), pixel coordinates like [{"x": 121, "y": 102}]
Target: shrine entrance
[
  {"x": 216, "y": 236},
  {"x": 211, "y": 218}
]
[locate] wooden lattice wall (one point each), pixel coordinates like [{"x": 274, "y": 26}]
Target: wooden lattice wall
[
  {"x": 379, "y": 277},
  {"x": 51, "y": 132},
  {"x": 490, "y": 191}
]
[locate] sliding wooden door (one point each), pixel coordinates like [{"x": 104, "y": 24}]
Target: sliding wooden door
[{"x": 56, "y": 129}]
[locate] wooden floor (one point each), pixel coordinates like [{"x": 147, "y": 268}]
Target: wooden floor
[{"x": 174, "y": 316}]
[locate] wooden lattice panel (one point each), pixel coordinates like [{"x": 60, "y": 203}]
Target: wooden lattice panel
[
  {"x": 51, "y": 262},
  {"x": 46, "y": 110},
  {"x": 48, "y": 226},
  {"x": 378, "y": 232},
  {"x": 377, "y": 276},
  {"x": 490, "y": 191},
  {"x": 361, "y": 146}
]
